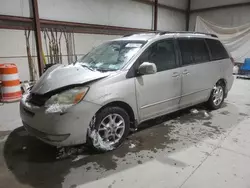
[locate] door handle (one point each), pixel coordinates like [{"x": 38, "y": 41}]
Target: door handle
[
  {"x": 175, "y": 74},
  {"x": 185, "y": 72}
]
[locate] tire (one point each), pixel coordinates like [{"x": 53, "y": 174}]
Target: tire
[
  {"x": 212, "y": 104},
  {"x": 101, "y": 117}
]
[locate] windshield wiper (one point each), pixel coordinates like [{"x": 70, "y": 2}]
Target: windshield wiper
[
  {"x": 105, "y": 70},
  {"x": 87, "y": 67}
]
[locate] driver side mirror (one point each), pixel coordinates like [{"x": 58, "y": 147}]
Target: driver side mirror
[{"x": 147, "y": 68}]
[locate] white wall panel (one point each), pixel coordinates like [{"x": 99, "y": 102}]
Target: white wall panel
[
  {"x": 13, "y": 50},
  {"x": 182, "y": 4},
  {"x": 228, "y": 17},
  {"x": 15, "y": 8},
  {"x": 125, "y": 13},
  {"x": 198, "y": 4},
  {"x": 170, "y": 20},
  {"x": 12, "y": 42},
  {"x": 85, "y": 42}
]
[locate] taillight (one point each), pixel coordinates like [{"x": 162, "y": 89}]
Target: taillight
[{"x": 232, "y": 59}]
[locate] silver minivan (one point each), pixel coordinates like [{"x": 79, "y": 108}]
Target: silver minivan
[{"x": 123, "y": 82}]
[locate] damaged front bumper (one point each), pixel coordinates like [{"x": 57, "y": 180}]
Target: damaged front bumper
[
  {"x": 46, "y": 136},
  {"x": 58, "y": 129}
]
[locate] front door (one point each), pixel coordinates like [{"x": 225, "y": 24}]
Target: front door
[{"x": 159, "y": 93}]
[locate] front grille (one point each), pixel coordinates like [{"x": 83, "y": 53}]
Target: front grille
[{"x": 37, "y": 100}]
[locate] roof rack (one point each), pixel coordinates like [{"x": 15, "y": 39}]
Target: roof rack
[
  {"x": 149, "y": 32},
  {"x": 169, "y": 32},
  {"x": 192, "y": 32}
]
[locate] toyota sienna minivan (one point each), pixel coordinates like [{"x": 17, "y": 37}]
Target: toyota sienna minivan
[{"x": 124, "y": 82}]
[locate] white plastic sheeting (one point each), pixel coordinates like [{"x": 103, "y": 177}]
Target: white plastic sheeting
[{"x": 236, "y": 39}]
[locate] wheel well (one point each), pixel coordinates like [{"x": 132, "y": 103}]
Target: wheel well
[
  {"x": 223, "y": 81},
  {"x": 126, "y": 107}
]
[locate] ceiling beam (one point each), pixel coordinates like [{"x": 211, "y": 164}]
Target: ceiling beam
[{"x": 221, "y": 7}]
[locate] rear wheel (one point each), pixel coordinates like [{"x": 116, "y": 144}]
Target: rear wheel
[
  {"x": 217, "y": 96},
  {"x": 110, "y": 129}
]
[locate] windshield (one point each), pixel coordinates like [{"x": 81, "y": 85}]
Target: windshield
[{"x": 111, "y": 56}]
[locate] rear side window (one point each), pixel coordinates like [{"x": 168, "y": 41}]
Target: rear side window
[
  {"x": 217, "y": 49},
  {"x": 193, "y": 50}
]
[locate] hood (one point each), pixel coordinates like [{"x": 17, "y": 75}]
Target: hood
[{"x": 59, "y": 76}]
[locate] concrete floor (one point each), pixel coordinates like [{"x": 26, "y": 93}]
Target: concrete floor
[{"x": 180, "y": 150}]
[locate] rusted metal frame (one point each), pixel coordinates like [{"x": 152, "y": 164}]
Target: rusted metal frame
[
  {"x": 15, "y": 18},
  {"x": 75, "y": 29},
  {"x": 188, "y": 14},
  {"x": 150, "y": 2},
  {"x": 14, "y": 27},
  {"x": 80, "y": 27},
  {"x": 13, "y": 22},
  {"x": 33, "y": 56},
  {"x": 155, "y": 15},
  {"x": 221, "y": 7},
  {"x": 90, "y": 26},
  {"x": 37, "y": 29},
  {"x": 101, "y": 32}
]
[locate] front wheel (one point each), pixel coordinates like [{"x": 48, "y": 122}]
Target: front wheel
[
  {"x": 110, "y": 129},
  {"x": 217, "y": 96}
]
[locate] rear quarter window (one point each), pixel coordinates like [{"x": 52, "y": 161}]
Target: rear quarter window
[
  {"x": 193, "y": 50},
  {"x": 217, "y": 50}
]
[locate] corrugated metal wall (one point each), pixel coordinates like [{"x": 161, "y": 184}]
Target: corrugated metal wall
[{"x": 227, "y": 17}]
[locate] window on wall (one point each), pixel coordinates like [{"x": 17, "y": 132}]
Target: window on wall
[
  {"x": 193, "y": 50},
  {"x": 162, "y": 53},
  {"x": 217, "y": 49}
]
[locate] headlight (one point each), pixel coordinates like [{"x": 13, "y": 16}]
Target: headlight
[{"x": 62, "y": 101}]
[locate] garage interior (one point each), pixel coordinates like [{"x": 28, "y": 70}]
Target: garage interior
[{"x": 191, "y": 148}]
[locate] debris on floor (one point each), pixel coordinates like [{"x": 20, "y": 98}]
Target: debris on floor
[
  {"x": 205, "y": 113},
  {"x": 99, "y": 143},
  {"x": 194, "y": 111},
  {"x": 132, "y": 146},
  {"x": 79, "y": 157},
  {"x": 71, "y": 151},
  {"x": 66, "y": 152}
]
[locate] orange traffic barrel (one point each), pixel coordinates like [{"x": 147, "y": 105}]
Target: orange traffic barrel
[
  {"x": 1, "y": 65},
  {"x": 10, "y": 87}
]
